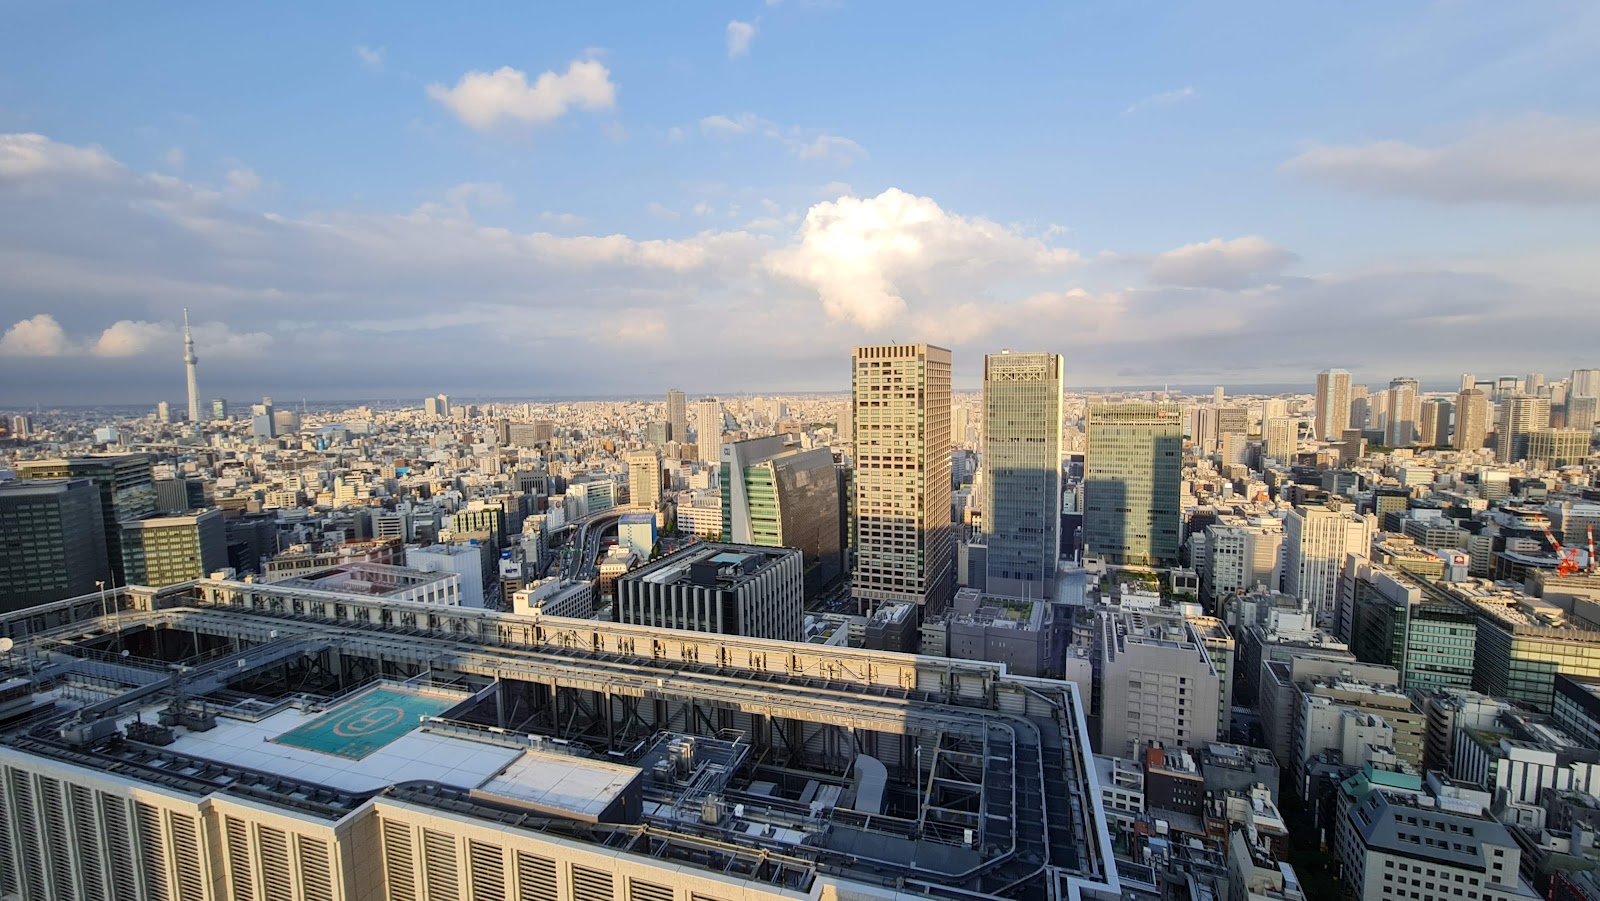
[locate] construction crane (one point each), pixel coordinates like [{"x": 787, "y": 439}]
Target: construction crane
[{"x": 1568, "y": 557}]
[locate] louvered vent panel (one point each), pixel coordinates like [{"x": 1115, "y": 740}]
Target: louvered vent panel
[
  {"x": 316, "y": 873},
  {"x": 399, "y": 862},
  {"x": 86, "y": 831},
  {"x": 439, "y": 866},
  {"x": 536, "y": 878},
  {"x": 590, "y": 885},
  {"x": 241, "y": 881},
  {"x": 488, "y": 870},
  {"x": 277, "y": 880},
  {"x": 639, "y": 890},
  {"x": 124, "y": 876},
  {"x": 58, "y": 848},
  {"x": 152, "y": 851}
]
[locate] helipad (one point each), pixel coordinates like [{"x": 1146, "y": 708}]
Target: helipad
[{"x": 366, "y": 723}]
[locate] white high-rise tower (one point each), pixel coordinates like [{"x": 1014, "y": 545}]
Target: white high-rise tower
[{"x": 189, "y": 359}]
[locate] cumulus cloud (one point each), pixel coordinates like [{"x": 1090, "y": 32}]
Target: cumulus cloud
[
  {"x": 740, "y": 34},
  {"x": 565, "y": 220},
  {"x": 1217, "y": 263},
  {"x": 483, "y": 100},
  {"x": 370, "y": 57},
  {"x": 864, "y": 256},
  {"x": 36, "y": 336},
  {"x": 1165, "y": 98},
  {"x": 803, "y": 143},
  {"x": 129, "y": 338},
  {"x": 173, "y": 158},
  {"x": 28, "y": 156},
  {"x": 243, "y": 180},
  {"x": 1534, "y": 160}
]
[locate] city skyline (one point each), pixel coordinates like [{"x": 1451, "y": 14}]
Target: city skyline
[{"x": 607, "y": 204}]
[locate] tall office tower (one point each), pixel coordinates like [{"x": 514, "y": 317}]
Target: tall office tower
[
  {"x": 905, "y": 543},
  {"x": 1022, "y": 413},
  {"x": 644, "y": 478},
  {"x": 1520, "y": 416},
  {"x": 163, "y": 411},
  {"x": 1468, "y": 380},
  {"x": 1472, "y": 420},
  {"x": 655, "y": 433},
  {"x": 1405, "y": 409},
  {"x": 127, "y": 491},
  {"x": 958, "y": 425},
  {"x": 1437, "y": 414},
  {"x": 1133, "y": 472},
  {"x": 219, "y": 409},
  {"x": 708, "y": 430},
  {"x": 22, "y": 426},
  {"x": 732, "y": 589},
  {"x": 1316, "y": 541},
  {"x": 430, "y": 406},
  {"x": 1279, "y": 435},
  {"x": 1333, "y": 404},
  {"x": 263, "y": 420},
  {"x": 845, "y": 426},
  {"x": 1217, "y": 395},
  {"x": 1233, "y": 427},
  {"x": 776, "y": 493},
  {"x": 52, "y": 541},
  {"x": 1582, "y": 412},
  {"x": 1274, "y": 408},
  {"x": 189, "y": 361},
  {"x": 1584, "y": 383},
  {"x": 1360, "y": 409},
  {"x": 1239, "y": 555},
  {"x": 1506, "y": 386},
  {"x": 1533, "y": 383},
  {"x": 678, "y": 415},
  {"x": 165, "y": 550}
]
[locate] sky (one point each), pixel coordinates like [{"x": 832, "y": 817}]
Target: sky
[{"x": 570, "y": 200}]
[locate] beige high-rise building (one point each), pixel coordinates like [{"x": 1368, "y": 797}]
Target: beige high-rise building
[
  {"x": 1520, "y": 416},
  {"x": 1434, "y": 430},
  {"x": 678, "y": 416},
  {"x": 1279, "y": 436},
  {"x": 1333, "y": 404},
  {"x": 1559, "y": 447},
  {"x": 1405, "y": 409},
  {"x": 644, "y": 478},
  {"x": 1316, "y": 541},
  {"x": 905, "y": 544},
  {"x": 708, "y": 430},
  {"x": 1472, "y": 419}
]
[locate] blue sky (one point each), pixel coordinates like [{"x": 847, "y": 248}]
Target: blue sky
[{"x": 383, "y": 199}]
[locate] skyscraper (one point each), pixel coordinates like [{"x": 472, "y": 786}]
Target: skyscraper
[
  {"x": 1584, "y": 383},
  {"x": 1472, "y": 420},
  {"x": 708, "y": 430},
  {"x": 1405, "y": 408},
  {"x": 1133, "y": 470},
  {"x": 644, "y": 478},
  {"x": 189, "y": 361},
  {"x": 678, "y": 416},
  {"x": 127, "y": 491},
  {"x": 219, "y": 409},
  {"x": 1316, "y": 541},
  {"x": 1022, "y": 473},
  {"x": 905, "y": 545},
  {"x": 1333, "y": 404},
  {"x": 1279, "y": 435},
  {"x": 1520, "y": 416},
  {"x": 1435, "y": 428},
  {"x": 52, "y": 541},
  {"x": 776, "y": 493}
]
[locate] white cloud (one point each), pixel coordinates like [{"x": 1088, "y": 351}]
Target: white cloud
[
  {"x": 1532, "y": 160},
  {"x": 174, "y": 158},
  {"x": 831, "y": 147},
  {"x": 740, "y": 34},
  {"x": 37, "y": 336},
  {"x": 478, "y": 193},
  {"x": 565, "y": 220},
  {"x": 129, "y": 338},
  {"x": 660, "y": 210},
  {"x": 864, "y": 256},
  {"x": 243, "y": 180},
  {"x": 1217, "y": 263},
  {"x": 804, "y": 144},
  {"x": 483, "y": 100},
  {"x": 702, "y": 209},
  {"x": 1166, "y": 98},
  {"x": 27, "y": 156},
  {"x": 370, "y": 57}
]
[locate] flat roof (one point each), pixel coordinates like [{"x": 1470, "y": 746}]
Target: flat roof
[{"x": 558, "y": 783}]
